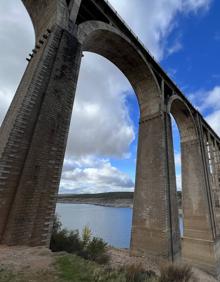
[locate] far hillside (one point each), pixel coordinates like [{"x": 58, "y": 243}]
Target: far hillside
[
  {"x": 109, "y": 199},
  {"x": 108, "y": 195}
]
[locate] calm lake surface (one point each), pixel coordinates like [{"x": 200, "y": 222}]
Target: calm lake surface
[{"x": 111, "y": 224}]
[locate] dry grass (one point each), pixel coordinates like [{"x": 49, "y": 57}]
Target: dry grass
[{"x": 176, "y": 273}]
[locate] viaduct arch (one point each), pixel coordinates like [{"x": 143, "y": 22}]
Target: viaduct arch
[{"x": 34, "y": 132}]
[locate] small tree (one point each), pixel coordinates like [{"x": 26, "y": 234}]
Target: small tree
[
  {"x": 86, "y": 236},
  {"x": 97, "y": 250}
]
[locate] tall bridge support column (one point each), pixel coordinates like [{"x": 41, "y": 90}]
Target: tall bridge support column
[
  {"x": 212, "y": 156},
  {"x": 33, "y": 141},
  {"x": 155, "y": 229},
  {"x": 200, "y": 245}
]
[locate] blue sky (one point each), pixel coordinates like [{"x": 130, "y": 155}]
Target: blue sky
[
  {"x": 196, "y": 65},
  {"x": 183, "y": 35}
]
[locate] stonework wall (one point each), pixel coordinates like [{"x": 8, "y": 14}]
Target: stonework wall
[
  {"x": 35, "y": 188},
  {"x": 18, "y": 125},
  {"x": 154, "y": 230}
]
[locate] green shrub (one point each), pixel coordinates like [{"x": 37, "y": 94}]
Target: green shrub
[
  {"x": 94, "y": 249},
  {"x": 64, "y": 240},
  {"x": 97, "y": 251},
  {"x": 176, "y": 273}
]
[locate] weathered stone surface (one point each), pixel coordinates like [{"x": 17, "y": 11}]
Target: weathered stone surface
[
  {"x": 155, "y": 227},
  {"x": 30, "y": 218}
]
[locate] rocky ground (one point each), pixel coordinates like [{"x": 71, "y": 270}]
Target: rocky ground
[
  {"x": 38, "y": 264},
  {"x": 121, "y": 256}
]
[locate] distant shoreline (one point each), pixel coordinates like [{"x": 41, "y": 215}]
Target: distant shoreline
[
  {"x": 110, "y": 204},
  {"x": 112, "y": 199}
]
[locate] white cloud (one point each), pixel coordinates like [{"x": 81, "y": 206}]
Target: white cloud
[
  {"x": 5, "y": 98},
  {"x": 195, "y": 5},
  {"x": 208, "y": 102},
  {"x": 17, "y": 40},
  {"x": 97, "y": 176},
  {"x": 211, "y": 99},
  {"x": 177, "y": 46},
  {"x": 177, "y": 157},
  {"x": 179, "y": 182},
  {"x": 100, "y": 124},
  {"x": 214, "y": 120}
]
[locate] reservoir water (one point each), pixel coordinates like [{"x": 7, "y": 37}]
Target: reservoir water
[{"x": 111, "y": 224}]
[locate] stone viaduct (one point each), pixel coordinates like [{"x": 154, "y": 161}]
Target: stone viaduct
[{"x": 34, "y": 133}]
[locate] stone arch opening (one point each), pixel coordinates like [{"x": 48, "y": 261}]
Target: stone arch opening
[
  {"x": 114, "y": 225},
  {"x": 184, "y": 119},
  {"x": 104, "y": 40},
  {"x": 195, "y": 202},
  {"x": 178, "y": 170},
  {"x": 185, "y": 123}
]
